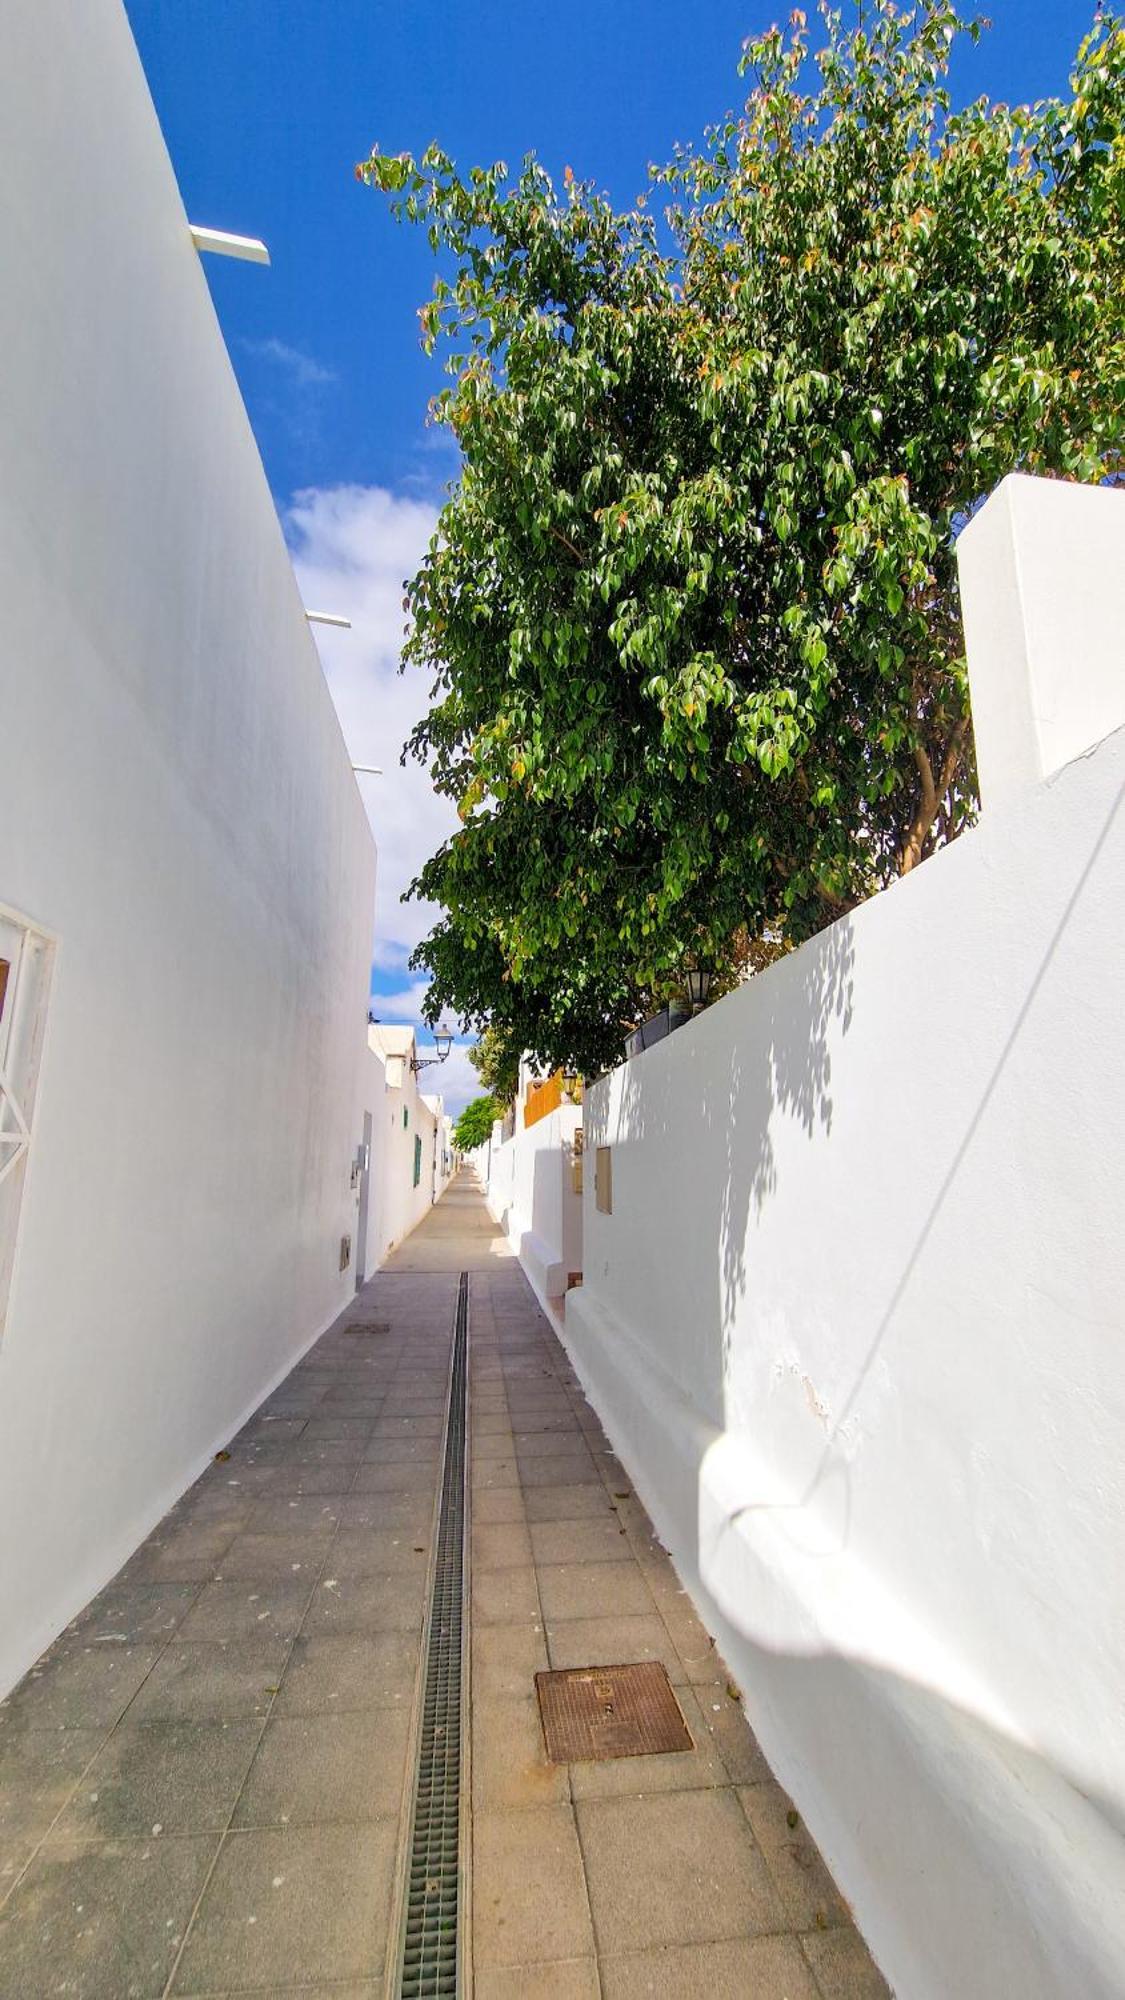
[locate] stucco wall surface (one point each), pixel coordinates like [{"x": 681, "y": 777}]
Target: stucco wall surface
[
  {"x": 177, "y": 806},
  {"x": 856, "y": 1326},
  {"x": 396, "y": 1205},
  {"x": 530, "y": 1191}
]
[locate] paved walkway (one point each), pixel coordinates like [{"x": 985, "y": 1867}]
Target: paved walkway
[{"x": 204, "y": 1785}]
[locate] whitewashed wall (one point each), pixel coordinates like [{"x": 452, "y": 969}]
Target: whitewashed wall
[
  {"x": 529, "y": 1190},
  {"x": 176, "y": 804},
  {"x": 396, "y": 1205},
  {"x": 857, "y": 1326}
]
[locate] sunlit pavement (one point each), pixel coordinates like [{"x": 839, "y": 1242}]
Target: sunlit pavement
[{"x": 206, "y": 1784}]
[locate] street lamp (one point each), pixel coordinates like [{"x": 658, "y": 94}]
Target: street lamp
[
  {"x": 698, "y": 987},
  {"x": 443, "y": 1042}
]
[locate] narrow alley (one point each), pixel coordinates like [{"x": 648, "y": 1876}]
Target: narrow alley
[{"x": 207, "y": 1784}]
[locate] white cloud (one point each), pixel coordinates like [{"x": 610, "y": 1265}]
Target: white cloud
[
  {"x": 404, "y": 1006},
  {"x": 304, "y": 371},
  {"x": 455, "y": 1080},
  {"x": 352, "y": 547}
]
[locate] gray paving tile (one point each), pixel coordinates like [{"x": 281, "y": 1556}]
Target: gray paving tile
[
  {"x": 732, "y": 1736},
  {"x": 593, "y": 1590},
  {"x": 498, "y": 1503},
  {"x": 598, "y": 1540},
  {"x": 611, "y": 1642},
  {"x": 410, "y": 1513},
  {"x": 422, "y": 1452},
  {"x": 494, "y": 1446},
  {"x": 327, "y": 1770},
  {"x": 80, "y": 1685},
  {"x": 214, "y": 1499},
  {"x": 360, "y": 1552},
  {"x": 569, "y": 1468},
  {"x": 558, "y": 1442},
  {"x": 349, "y": 1674},
  {"x": 293, "y": 1481},
  {"x": 529, "y": 1891},
  {"x": 268, "y": 1429},
  {"x": 509, "y": 1761},
  {"x": 583, "y": 1500},
  {"x": 39, "y": 1769},
  {"x": 504, "y": 1596},
  {"x": 233, "y": 1482},
  {"x": 308, "y": 1514},
  {"x": 808, "y": 1893},
  {"x": 134, "y": 1613},
  {"x": 395, "y": 1476},
  {"x": 328, "y": 1451},
  {"x": 702, "y": 1877},
  {"x": 268, "y": 1558},
  {"x": 566, "y": 1979},
  {"x": 291, "y": 1907},
  {"x": 489, "y": 1473},
  {"x": 208, "y": 1682},
  {"x": 178, "y": 1777},
  {"x": 392, "y": 1428},
  {"x": 106, "y": 1917},
  {"x": 503, "y": 1545},
  {"x": 843, "y": 1966},
  {"x": 366, "y": 1604},
  {"x": 763, "y": 1968},
  {"x": 319, "y": 1428},
  {"x": 237, "y": 1609},
  {"x": 183, "y": 1550},
  {"x": 506, "y": 1659}
]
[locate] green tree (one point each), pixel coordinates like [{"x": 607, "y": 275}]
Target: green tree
[
  {"x": 497, "y": 1064},
  {"x": 691, "y": 610},
  {"x": 475, "y": 1123}
]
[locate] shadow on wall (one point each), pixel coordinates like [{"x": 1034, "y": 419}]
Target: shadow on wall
[
  {"x": 829, "y": 1467},
  {"x": 719, "y": 1112},
  {"x": 1063, "y": 1931}
]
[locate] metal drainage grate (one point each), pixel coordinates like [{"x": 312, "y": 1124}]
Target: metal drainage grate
[{"x": 430, "y": 1955}]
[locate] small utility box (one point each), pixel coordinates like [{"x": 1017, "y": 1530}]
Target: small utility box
[{"x": 603, "y": 1180}]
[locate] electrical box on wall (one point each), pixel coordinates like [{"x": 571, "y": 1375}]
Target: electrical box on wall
[
  {"x": 603, "y": 1180},
  {"x": 345, "y": 1252}
]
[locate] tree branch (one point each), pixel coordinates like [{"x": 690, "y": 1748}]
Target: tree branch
[{"x": 933, "y": 793}]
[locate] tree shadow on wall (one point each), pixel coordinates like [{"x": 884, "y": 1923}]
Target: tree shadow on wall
[{"x": 705, "y": 1104}]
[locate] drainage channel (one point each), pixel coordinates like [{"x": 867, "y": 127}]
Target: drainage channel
[{"x": 431, "y": 1953}]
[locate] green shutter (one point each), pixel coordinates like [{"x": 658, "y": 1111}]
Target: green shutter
[{"x": 417, "y": 1158}]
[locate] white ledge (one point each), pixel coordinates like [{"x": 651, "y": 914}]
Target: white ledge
[{"x": 250, "y": 248}]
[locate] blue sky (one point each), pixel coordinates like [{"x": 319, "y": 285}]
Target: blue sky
[{"x": 266, "y": 105}]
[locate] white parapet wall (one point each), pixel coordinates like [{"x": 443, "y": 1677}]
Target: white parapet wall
[
  {"x": 178, "y": 815},
  {"x": 856, "y": 1323},
  {"x": 530, "y": 1190}
]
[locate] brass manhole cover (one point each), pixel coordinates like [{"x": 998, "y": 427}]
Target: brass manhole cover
[{"x": 593, "y": 1712}]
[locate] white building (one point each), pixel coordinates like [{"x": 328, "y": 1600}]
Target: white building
[
  {"x": 407, "y": 1131},
  {"x": 186, "y": 870},
  {"x": 532, "y": 1174}
]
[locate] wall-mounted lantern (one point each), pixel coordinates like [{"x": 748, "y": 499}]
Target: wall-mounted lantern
[
  {"x": 698, "y": 987},
  {"x": 443, "y": 1042}
]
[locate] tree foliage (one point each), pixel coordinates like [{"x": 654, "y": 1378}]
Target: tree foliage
[
  {"x": 691, "y": 610},
  {"x": 475, "y": 1123},
  {"x": 497, "y": 1064}
]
